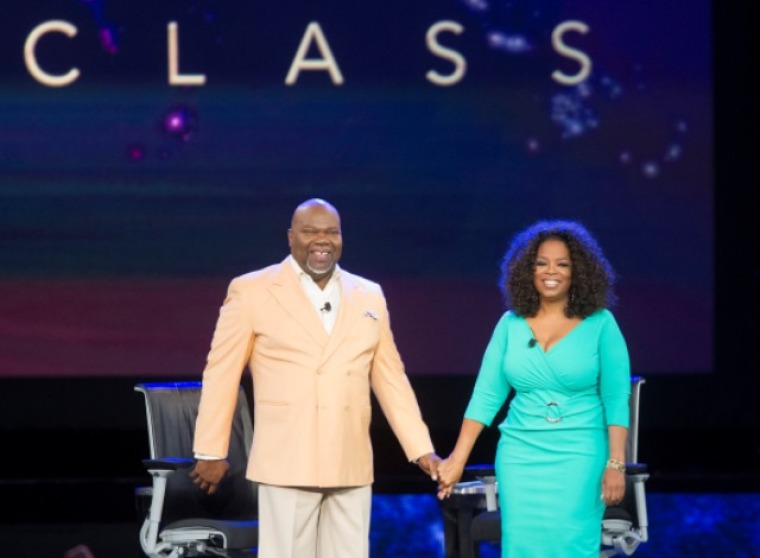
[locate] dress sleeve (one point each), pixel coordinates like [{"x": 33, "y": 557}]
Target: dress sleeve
[
  {"x": 491, "y": 388},
  {"x": 615, "y": 373}
]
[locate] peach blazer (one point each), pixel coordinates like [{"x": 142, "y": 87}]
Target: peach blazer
[{"x": 311, "y": 390}]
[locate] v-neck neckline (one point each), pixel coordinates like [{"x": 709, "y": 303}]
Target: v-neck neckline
[{"x": 557, "y": 342}]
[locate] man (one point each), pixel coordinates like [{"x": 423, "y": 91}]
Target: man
[{"x": 317, "y": 339}]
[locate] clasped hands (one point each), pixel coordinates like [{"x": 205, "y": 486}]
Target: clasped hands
[{"x": 446, "y": 472}]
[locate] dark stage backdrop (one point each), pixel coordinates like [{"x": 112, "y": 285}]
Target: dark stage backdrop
[{"x": 150, "y": 151}]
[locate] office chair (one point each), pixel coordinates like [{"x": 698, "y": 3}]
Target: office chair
[
  {"x": 473, "y": 516},
  {"x": 182, "y": 520}
]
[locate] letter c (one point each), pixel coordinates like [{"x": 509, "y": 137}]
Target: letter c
[{"x": 30, "y": 59}]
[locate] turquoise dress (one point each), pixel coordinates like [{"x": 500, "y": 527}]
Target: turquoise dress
[{"x": 553, "y": 446}]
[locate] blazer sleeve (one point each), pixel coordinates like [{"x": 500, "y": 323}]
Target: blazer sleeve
[
  {"x": 231, "y": 348},
  {"x": 395, "y": 395}
]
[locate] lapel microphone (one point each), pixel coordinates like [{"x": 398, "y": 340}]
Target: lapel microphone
[
  {"x": 532, "y": 343},
  {"x": 326, "y": 308}
]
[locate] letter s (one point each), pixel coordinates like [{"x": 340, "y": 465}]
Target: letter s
[
  {"x": 460, "y": 64},
  {"x": 561, "y": 48}
]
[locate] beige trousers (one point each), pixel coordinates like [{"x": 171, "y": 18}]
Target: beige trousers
[{"x": 303, "y": 522}]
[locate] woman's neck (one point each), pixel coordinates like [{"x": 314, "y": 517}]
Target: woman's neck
[{"x": 551, "y": 308}]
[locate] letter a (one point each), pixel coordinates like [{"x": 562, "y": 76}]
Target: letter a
[{"x": 327, "y": 62}]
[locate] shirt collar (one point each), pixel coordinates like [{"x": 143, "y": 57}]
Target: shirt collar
[{"x": 302, "y": 274}]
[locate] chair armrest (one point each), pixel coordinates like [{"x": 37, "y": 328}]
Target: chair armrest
[
  {"x": 168, "y": 463},
  {"x": 635, "y": 468},
  {"x": 480, "y": 471},
  {"x": 486, "y": 474}
]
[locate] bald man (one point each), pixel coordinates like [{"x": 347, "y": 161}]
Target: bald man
[{"x": 317, "y": 341}]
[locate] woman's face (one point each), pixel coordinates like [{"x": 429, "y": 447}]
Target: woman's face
[{"x": 553, "y": 270}]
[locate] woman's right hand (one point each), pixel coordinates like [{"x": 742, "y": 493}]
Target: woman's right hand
[{"x": 449, "y": 472}]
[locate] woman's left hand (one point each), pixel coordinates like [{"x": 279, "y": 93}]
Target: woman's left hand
[{"x": 613, "y": 486}]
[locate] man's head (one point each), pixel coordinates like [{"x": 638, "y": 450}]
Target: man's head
[{"x": 315, "y": 239}]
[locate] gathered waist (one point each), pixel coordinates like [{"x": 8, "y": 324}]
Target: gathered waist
[{"x": 548, "y": 410}]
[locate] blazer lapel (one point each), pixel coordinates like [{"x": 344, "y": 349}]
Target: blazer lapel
[
  {"x": 350, "y": 311},
  {"x": 288, "y": 292}
]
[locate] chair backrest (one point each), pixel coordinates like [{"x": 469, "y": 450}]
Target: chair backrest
[
  {"x": 171, "y": 410},
  {"x": 628, "y": 509},
  {"x": 632, "y": 446}
]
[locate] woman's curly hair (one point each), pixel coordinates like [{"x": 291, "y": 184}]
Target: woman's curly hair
[{"x": 592, "y": 275}]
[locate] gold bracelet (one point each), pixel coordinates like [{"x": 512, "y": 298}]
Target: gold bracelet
[{"x": 615, "y": 464}]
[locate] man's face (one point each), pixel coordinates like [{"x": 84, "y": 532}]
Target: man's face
[{"x": 315, "y": 241}]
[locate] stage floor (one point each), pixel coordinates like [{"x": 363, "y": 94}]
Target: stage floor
[{"x": 697, "y": 525}]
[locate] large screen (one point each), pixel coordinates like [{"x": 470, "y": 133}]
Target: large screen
[{"x": 151, "y": 151}]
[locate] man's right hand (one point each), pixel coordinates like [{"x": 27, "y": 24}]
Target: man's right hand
[{"x": 208, "y": 473}]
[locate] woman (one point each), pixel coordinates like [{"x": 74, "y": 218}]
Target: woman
[{"x": 559, "y": 351}]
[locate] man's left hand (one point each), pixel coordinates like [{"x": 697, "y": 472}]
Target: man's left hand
[{"x": 429, "y": 463}]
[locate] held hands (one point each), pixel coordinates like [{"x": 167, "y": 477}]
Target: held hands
[
  {"x": 449, "y": 473},
  {"x": 208, "y": 473},
  {"x": 429, "y": 463},
  {"x": 434, "y": 466}
]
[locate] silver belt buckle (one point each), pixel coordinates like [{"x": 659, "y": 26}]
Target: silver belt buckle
[{"x": 552, "y": 412}]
